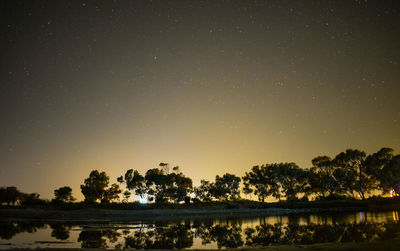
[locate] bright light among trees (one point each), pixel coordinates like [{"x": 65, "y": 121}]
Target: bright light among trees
[{"x": 143, "y": 199}]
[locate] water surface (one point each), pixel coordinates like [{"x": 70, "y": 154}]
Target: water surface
[{"x": 204, "y": 233}]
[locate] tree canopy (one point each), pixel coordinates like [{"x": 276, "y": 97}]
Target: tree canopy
[{"x": 64, "y": 194}]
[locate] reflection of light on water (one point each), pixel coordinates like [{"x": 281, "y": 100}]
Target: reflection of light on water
[
  {"x": 395, "y": 215},
  {"x": 362, "y": 217}
]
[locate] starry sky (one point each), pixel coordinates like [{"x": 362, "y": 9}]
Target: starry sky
[{"x": 211, "y": 86}]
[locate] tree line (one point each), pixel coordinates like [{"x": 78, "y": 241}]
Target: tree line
[
  {"x": 351, "y": 173},
  {"x": 12, "y": 196}
]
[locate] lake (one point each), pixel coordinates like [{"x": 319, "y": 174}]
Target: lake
[{"x": 207, "y": 233}]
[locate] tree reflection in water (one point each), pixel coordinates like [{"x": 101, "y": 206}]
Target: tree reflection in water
[
  {"x": 9, "y": 229},
  {"x": 97, "y": 238},
  {"x": 60, "y": 230},
  {"x": 224, "y": 234},
  {"x": 162, "y": 236},
  {"x": 228, "y": 236},
  {"x": 272, "y": 234}
]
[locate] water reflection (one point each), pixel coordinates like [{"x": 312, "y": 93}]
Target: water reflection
[
  {"x": 308, "y": 234},
  {"x": 232, "y": 233},
  {"x": 9, "y": 229},
  {"x": 228, "y": 236},
  {"x": 97, "y": 238},
  {"x": 395, "y": 216},
  {"x": 60, "y": 230},
  {"x": 161, "y": 236}
]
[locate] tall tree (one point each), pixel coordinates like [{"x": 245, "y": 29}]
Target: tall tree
[
  {"x": 10, "y": 195},
  {"x": 204, "y": 191},
  {"x": 391, "y": 174},
  {"x": 260, "y": 181},
  {"x": 352, "y": 168},
  {"x": 111, "y": 194},
  {"x": 94, "y": 187},
  {"x": 178, "y": 187},
  {"x": 321, "y": 178},
  {"x": 226, "y": 187},
  {"x": 135, "y": 182},
  {"x": 292, "y": 179},
  {"x": 380, "y": 166},
  {"x": 385, "y": 167},
  {"x": 64, "y": 194},
  {"x": 156, "y": 183}
]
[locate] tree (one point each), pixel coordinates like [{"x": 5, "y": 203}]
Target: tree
[
  {"x": 382, "y": 167},
  {"x": 260, "y": 181},
  {"x": 353, "y": 170},
  {"x": 385, "y": 167},
  {"x": 391, "y": 174},
  {"x": 277, "y": 179},
  {"x": 127, "y": 195},
  {"x": 226, "y": 187},
  {"x": 321, "y": 178},
  {"x": 162, "y": 187},
  {"x": 165, "y": 167},
  {"x": 178, "y": 187},
  {"x": 156, "y": 183},
  {"x": 292, "y": 179},
  {"x": 111, "y": 194},
  {"x": 10, "y": 195},
  {"x": 94, "y": 187},
  {"x": 203, "y": 192},
  {"x": 64, "y": 194},
  {"x": 176, "y": 169},
  {"x": 135, "y": 182}
]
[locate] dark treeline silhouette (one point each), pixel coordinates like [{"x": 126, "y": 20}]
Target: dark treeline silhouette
[
  {"x": 350, "y": 174},
  {"x": 12, "y": 196}
]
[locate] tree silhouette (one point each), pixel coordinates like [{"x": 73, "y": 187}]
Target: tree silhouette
[
  {"x": 385, "y": 167},
  {"x": 95, "y": 188},
  {"x": 226, "y": 187},
  {"x": 390, "y": 176},
  {"x": 111, "y": 194},
  {"x": 204, "y": 191},
  {"x": 321, "y": 177},
  {"x": 260, "y": 181},
  {"x": 178, "y": 187},
  {"x": 353, "y": 174},
  {"x": 64, "y": 194},
  {"x": 292, "y": 179},
  {"x": 156, "y": 183},
  {"x": 127, "y": 195},
  {"x": 10, "y": 195},
  {"x": 277, "y": 179},
  {"x": 134, "y": 182}
]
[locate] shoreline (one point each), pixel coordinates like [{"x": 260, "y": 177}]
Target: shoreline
[
  {"x": 373, "y": 245},
  {"x": 242, "y": 209},
  {"x": 94, "y": 214}
]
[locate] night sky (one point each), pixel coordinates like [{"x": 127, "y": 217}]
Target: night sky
[{"x": 211, "y": 86}]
